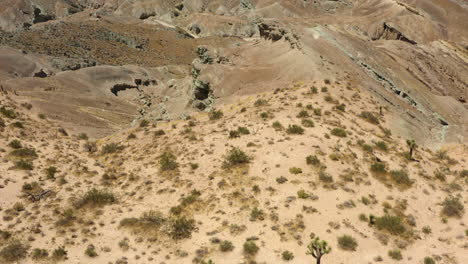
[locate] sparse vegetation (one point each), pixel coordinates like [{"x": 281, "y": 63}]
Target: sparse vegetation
[
  {"x": 111, "y": 148},
  {"x": 8, "y": 113},
  {"x": 452, "y": 207},
  {"x": 347, "y": 242},
  {"x": 312, "y": 160},
  {"x": 401, "y": 177},
  {"x": 370, "y": 117},
  {"x": 378, "y": 167},
  {"x": 295, "y": 129},
  {"x": 168, "y": 162},
  {"x": 13, "y": 251},
  {"x": 395, "y": 254},
  {"x": 215, "y": 114},
  {"x": 24, "y": 165},
  {"x": 295, "y": 170},
  {"x": 392, "y": 224},
  {"x": 277, "y": 125},
  {"x": 287, "y": 255},
  {"x": 234, "y": 157},
  {"x": 226, "y": 246},
  {"x": 429, "y": 260},
  {"x": 182, "y": 228},
  {"x": 250, "y": 248},
  {"x": 95, "y": 197},
  {"x": 338, "y": 132},
  {"x": 15, "y": 144},
  {"x": 39, "y": 254}
]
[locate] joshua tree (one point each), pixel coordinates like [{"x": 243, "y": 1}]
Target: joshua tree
[
  {"x": 318, "y": 248},
  {"x": 412, "y": 146}
]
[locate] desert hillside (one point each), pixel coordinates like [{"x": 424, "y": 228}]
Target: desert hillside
[{"x": 246, "y": 131}]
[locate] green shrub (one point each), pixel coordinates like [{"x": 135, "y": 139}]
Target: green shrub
[
  {"x": 59, "y": 253},
  {"x": 264, "y": 115},
  {"x": 91, "y": 251},
  {"x": 382, "y": 145},
  {"x": 111, "y": 148},
  {"x": 234, "y": 157},
  {"x": 401, "y": 177},
  {"x": 307, "y": 123},
  {"x": 39, "y": 254},
  {"x": 395, "y": 254},
  {"x": 378, "y": 167},
  {"x": 24, "y": 165},
  {"x": 341, "y": 107},
  {"x": 260, "y": 102},
  {"x": 429, "y": 260},
  {"x": 452, "y": 207},
  {"x": 295, "y": 129},
  {"x": 226, "y": 246},
  {"x": 303, "y": 114},
  {"x": 83, "y": 136},
  {"x": 338, "y": 132},
  {"x": 9, "y": 113},
  {"x": 24, "y": 153},
  {"x": 317, "y": 111},
  {"x": 312, "y": 160},
  {"x": 50, "y": 172},
  {"x": 16, "y": 144},
  {"x": 277, "y": 125},
  {"x": 464, "y": 173},
  {"x": 159, "y": 132},
  {"x": 215, "y": 114},
  {"x": 95, "y": 197},
  {"x": 182, "y": 228},
  {"x": 313, "y": 90},
  {"x": 301, "y": 194},
  {"x": 347, "y": 242},
  {"x": 13, "y": 252},
  {"x": 243, "y": 130},
  {"x": 325, "y": 177},
  {"x": 393, "y": 224},
  {"x": 295, "y": 170},
  {"x": 287, "y": 255},
  {"x": 371, "y": 118},
  {"x": 250, "y": 248},
  {"x": 234, "y": 134},
  {"x": 168, "y": 161},
  {"x": 426, "y": 230}
]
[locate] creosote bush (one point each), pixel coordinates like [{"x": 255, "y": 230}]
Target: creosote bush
[
  {"x": 371, "y": 118},
  {"x": 9, "y": 113},
  {"x": 429, "y": 260},
  {"x": 347, "y": 242},
  {"x": 250, "y": 248},
  {"x": 287, "y": 255},
  {"x": 392, "y": 224},
  {"x": 29, "y": 153},
  {"x": 452, "y": 207},
  {"x": 234, "y": 157},
  {"x": 226, "y": 246},
  {"x": 295, "y": 170},
  {"x": 401, "y": 177},
  {"x": 378, "y": 167},
  {"x": 295, "y": 129},
  {"x": 215, "y": 114},
  {"x": 95, "y": 197},
  {"x": 312, "y": 160},
  {"x": 13, "y": 252},
  {"x": 39, "y": 254},
  {"x": 167, "y": 162},
  {"x": 338, "y": 132},
  {"x": 182, "y": 228},
  {"x": 395, "y": 254},
  {"x": 307, "y": 123},
  {"x": 277, "y": 125},
  {"x": 16, "y": 144},
  {"x": 111, "y": 148}
]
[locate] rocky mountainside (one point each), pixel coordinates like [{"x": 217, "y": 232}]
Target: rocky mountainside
[{"x": 243, "y": 131}]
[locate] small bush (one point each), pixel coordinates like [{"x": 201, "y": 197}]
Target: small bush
[
  {"x": 287, "y": 255},
  {"x": 250, "y": 248},
  {"x": 393, "y": 224},
  {"x": 303, "y": 114},
  {"x": 24, "y": 165},
  {"x": 243, "y": 130},
  {"x": 226, "y": 246},
  {"x": 400, "y": 177},
  {"x": 347, "y": 242},
  {"x": 167, "y": 162},
  {"x": 215, "y": 114},
  {"x": 111, "y": 148},
  {"x": 426, "y": 230},
  {"x": 91, "y": 251},
  {"x": 234, "y": 134},
  {"x": 95, "y": 197},
  {"x": 59, "y": 253},
  {"x": 429, "y": 260},
  {"x": 325, "y": 177},
  {"x": 9, "y": 113},
  {"x": 17, "y": 124},
  {"x": 277, "y": 125},
  {"x": 317, "y": 111},
  {"x": 371, "y": 118},
  {"x": 295, "y": 129},
  {"x": 312, "y": 160},
  {"x": 341, "y": 107},
  {"x": 14, "y": 251},
  {"x": 452, "y": 207},
  {"x": 301, "y": 194},
  {"x": 382, "y": 145},
  {"x": 378, "y": 167},
  {"x": 260, "y": 102},
  {"x": 39, "y": 254},
  {"x": 16, "y": 144},
  {"x": 159, "y": 132},
  {"x": 83, "y": 136},
  {"x": 307, "y": 123},
  {"x": 395, "y": 254},
  {"x": 50, "y": 172},
  {"x": 235, "y": 157},
  {"x": 182, "y": 228},
  {"x": 24, "y": 153},
  {"x": 338, "y": 132},
  {"x": 295, "y": 170}
]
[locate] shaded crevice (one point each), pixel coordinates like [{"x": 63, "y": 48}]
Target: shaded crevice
[
  {"x": 39, "y": 17},
  {"x": 390, "y": 33},
  {"x": 122, "y": 87}
]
